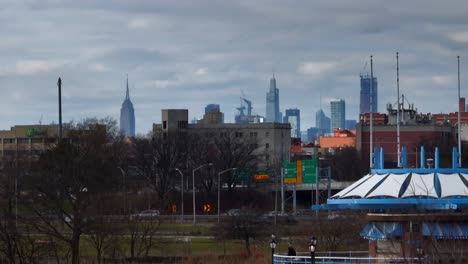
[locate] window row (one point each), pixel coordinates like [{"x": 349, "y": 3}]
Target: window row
[{"x": 26, "y": 140}]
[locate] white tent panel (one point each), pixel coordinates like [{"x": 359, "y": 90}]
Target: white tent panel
[
  {"x": 362, "y": 189},
  {"x": 421, "y": 185},
  {"x": 347, "y": 189},
  {"x": 390, "y": 187},
  {"x": 452, "y": 185}
]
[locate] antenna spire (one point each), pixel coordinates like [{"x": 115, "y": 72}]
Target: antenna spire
[{"x": 127, "y": 96}]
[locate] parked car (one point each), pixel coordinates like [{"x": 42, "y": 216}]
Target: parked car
[
  {"x": 273, "y": 213},
  {"x": 146, "y": 214},
  {"x": 234, "y": 212},
  {"x": 305, "y": 212}
]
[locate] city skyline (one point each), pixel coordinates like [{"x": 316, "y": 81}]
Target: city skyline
[{"x": 186, "y": 55}]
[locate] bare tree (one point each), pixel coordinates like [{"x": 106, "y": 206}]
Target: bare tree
[
  {"x": 8, "y": 233},
  {"x": 16, "y": 244},
  {"x": 234, "y": 149},
  {"x": 245, "y": 226},
  {"x": 100, "y": 229},
  {"x": 142, "y": 235},
  {"x": 201, "y": 150},
  {"x": 113, "y": 133},
  {"x": 156, "y": 160},
  {"x": 346, "y": 164},
  {"x": 64, "y": 180},
  {"x": 336, "y": 232}
]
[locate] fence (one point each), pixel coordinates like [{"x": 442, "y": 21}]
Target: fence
[{"x": 302, "y": 258}]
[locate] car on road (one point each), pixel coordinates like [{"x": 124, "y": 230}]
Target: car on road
[
  {"x": 147, "y": 214},
  {"x": 273, "y": 213},
  {"x": 234, "y": 212}
]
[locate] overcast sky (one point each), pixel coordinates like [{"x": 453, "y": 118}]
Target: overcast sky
[{"x": 187, "y": 54}]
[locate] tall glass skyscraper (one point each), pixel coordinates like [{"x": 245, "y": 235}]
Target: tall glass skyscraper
[
  {"x": 127, "y": 116},
  {"x": 322, "y": 122},
  {"x": 365, "y": 105},
  {"x": 338, "y": 114},
  {"x": 293, "y": 117},
  {"x": 272, "y": 103}
]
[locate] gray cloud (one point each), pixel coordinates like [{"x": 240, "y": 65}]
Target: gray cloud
[{"x": 186, "y": 54}]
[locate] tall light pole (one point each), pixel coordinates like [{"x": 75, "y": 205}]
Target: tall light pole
[
  {"x": 272, "y": 246},
  {"x": 219, "y": 188},
  {"x": 181, "y": 194},
  {"x": 124, "y": 189},
  {"x": 312, "y": 249},
  {"x": 193, "y": 190}
]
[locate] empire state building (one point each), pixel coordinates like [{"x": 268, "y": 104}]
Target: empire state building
[{"x": 127, "y": 116}]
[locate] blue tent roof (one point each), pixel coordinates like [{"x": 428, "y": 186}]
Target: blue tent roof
[
  {"x": 446, "y": 230},
  {"x": 405, "y": 188},
  {"x": 381, "y": 230},
  {"x": 435, "y": 189}
]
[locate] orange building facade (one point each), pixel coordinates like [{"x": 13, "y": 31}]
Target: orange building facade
[{"x": 341, "y": 138}]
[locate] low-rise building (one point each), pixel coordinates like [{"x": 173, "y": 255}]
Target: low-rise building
[
  {"x": 273, "y": 139},
  {"x": 27, "y": 139},
  {"x": 341, "y": 138}
]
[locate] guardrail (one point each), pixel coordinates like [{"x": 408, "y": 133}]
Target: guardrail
[{"x": 282, "y": 259}]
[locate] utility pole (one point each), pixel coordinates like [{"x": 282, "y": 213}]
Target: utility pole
[
  {"x": 59, "y": 84},
  {"x": 459, "y": 121},
  {"x": 282, "y": 191},
  {"x": 371, "y": 165}
]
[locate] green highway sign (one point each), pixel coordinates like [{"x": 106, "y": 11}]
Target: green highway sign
[
  {"x": 290, "y": 172},
  {"x": 309, "y": 171}
]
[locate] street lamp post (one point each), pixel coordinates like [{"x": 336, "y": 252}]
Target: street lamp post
[
  {"x": 181, "y": 194},
  {"x": 193, "y": 188},
  {"x": 124, "y": 189},
  {"x": 272, "y": 246},
  {"x": 219, "y": 188},
  {"x": 312, "y": 248}
]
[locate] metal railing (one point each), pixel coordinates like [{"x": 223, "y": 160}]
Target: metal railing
[{"x": 303, "y": 259}]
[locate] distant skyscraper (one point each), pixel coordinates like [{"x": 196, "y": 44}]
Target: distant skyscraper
[
  {"x": 272, "y": 103},
  {"x": 365, "y": 105},
  {"x": 293, "y": 117},
  {"x": 214, "y": 107},
  {"x": 350, "y": 124},
  {"x": 322, "y": 122},
  {"x": 313, "y": 133},
  {"x": 338, "y": 113},
  {"x": 127, "y": 116},
  {"x": 211, "y": 107}
]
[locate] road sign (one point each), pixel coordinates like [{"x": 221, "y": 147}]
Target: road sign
[
  {"x": 290, "y": 172},
  {"x": 309, "y": 171},
  {"x": 206, "y": 208},
  {"x": 262, "y": 176}
]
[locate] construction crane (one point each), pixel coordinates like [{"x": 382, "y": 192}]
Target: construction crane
[{"x": 249, "y": 106}]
